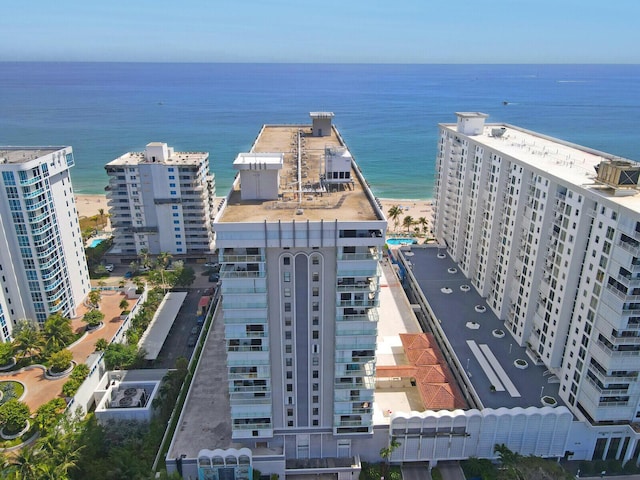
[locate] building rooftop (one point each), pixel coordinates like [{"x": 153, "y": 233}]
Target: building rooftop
[
  {"x": 302, "y": 193},
  {"x": 485, "y": 349},
  {"x": 177, "y": 158},
  {"x": 25, "y": 154},
  {"x": 568, "y": 162}
]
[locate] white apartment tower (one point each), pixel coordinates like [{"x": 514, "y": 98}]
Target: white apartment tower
[
  {"x": 161, "y": 201},
  {"x": 549, "y": 233},
  {"x": 42, "y": 264},
  {"x": 300, "y": 237}
]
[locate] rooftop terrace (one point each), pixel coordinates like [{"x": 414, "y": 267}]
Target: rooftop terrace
[
  {"x": 484, "y": 348},
  {"x": 302, "y": 193}
]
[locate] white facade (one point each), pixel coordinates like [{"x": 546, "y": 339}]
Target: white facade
[
  {"x": 299, "y": 293},
  {"x": 42, "y": 262},
  {"x": 555, "y": 250},
  {"x": 161, "y": 201}
]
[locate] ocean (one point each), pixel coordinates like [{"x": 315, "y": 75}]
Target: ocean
[{"x": 388, "y": 114}]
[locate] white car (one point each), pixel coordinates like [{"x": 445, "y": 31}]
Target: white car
[{"x": 109, "y": 267}]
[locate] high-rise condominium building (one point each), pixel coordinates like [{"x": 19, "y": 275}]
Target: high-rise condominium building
[
  {"x": 299, "y": 240},
  {"x": 161, "y": 201},
  {"x": 42, "y": 263},
  {"x": 549, "y": 233}
]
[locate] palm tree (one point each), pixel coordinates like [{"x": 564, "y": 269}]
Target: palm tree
[
  {"x": 62, "y": 450},
  {"x": 26, "y": 463},
  {"x": 101, "y": 213},
  {"x": 57, "y": 332},
  {"x": 163, "y": 259},
  {"x": 144, "y": 257},
  {"x": 408, "y": 222},
  {"x": 424, "y": 223},
  {"x": 394, "y": 214},
  {"x": 27, "y": 338}
]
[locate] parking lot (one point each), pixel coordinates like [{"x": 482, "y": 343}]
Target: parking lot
[{"x": 185, "y": 330}]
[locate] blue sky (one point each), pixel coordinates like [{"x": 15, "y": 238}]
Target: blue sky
[{"x": 351, "y": 31}]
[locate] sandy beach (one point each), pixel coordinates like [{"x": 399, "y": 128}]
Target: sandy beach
[{"x": 89, "y": 205}]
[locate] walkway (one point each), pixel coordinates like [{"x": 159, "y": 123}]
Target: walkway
[{"x": 38, "y": 389}]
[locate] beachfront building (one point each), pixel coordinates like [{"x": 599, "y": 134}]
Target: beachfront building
[
  {"x": 548, "y": 233},
  {"x": 42, "y": 264},
  {"x": 300, "y": 239},
  {"x": 325, "y": 362},
  {"x": 160, "y": 201}
]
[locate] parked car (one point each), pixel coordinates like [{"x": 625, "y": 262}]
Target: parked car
[
  {"x": 192, "y": 341},
  {"x": 109, "y": 267},
  {"x": 194, "y": 330},
  {"x": 214, "y": 277},
  {"x": 128, "y": 274},
  {"x": 211, "y": 264}
]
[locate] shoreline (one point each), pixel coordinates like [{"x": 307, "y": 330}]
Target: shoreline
[{"x": 89, "y": 204}]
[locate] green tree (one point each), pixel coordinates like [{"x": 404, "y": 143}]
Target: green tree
[
  {"x": 408, "y": 223},
  {"x": 93, "y": 318},
  {"x": 124, "y": 304},
  {"x": 25, "y": 464},
  {"x": 185, "y": 276},
  {"x": 424, "y": 224},
  {"x": 48, "y": 414},
  {"x": 94, "y": 298},
  {"x": 510, "y": 461},
  {"x": 163, "y": 259},
  {"x": 14, "y": 415},
  {"x": 27, "y": 339},
  {"x": 6, "y": 352},
  {"x": 62, "y": 451},
  {"x": 57, "y": 332},
  {"x": 101, "y": 345},
  {"x": 61, "y": 360},
  {"x": 143, "y": 257},
  {"x": 394, "y": 214},
  {"x": 121, "y": 356},
  {"x": 386, "y": 452}
]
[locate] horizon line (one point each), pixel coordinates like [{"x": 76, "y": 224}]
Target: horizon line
[{"x": 319, "y": 63}]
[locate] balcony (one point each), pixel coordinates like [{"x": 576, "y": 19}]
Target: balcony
[
  {"x": 368, "y": 303},
  {"x": 30, "y": 181},
  {"x": 370, "y": 316},
  {"x": 239, "y": 272}
]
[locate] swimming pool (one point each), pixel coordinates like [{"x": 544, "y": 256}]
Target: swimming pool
[
  {"x": 401, "y": 241},
  {"x": 95, "y": 242}
]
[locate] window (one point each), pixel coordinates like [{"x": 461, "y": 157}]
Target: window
[
  {"x": 315, "y": 399},
  {"x": 315, "y": 306},
  {"x": 315, "y": 277},
  {"x": 286, "y": 260},
  {"x": 287, "y": 335},
  {"x": 316, "y": 374},
  {"x": 287, "y": 307},
  {"x": 286, "y": 276},
  {"x": 315, "y": 260},
  {"x": 289, "y": 387},
  {"x": 316, "y": 291},
  {"x": 315, "y": 387},
  {"x": 316, "y": 334},
  {"x": 287, "y": 292}
]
